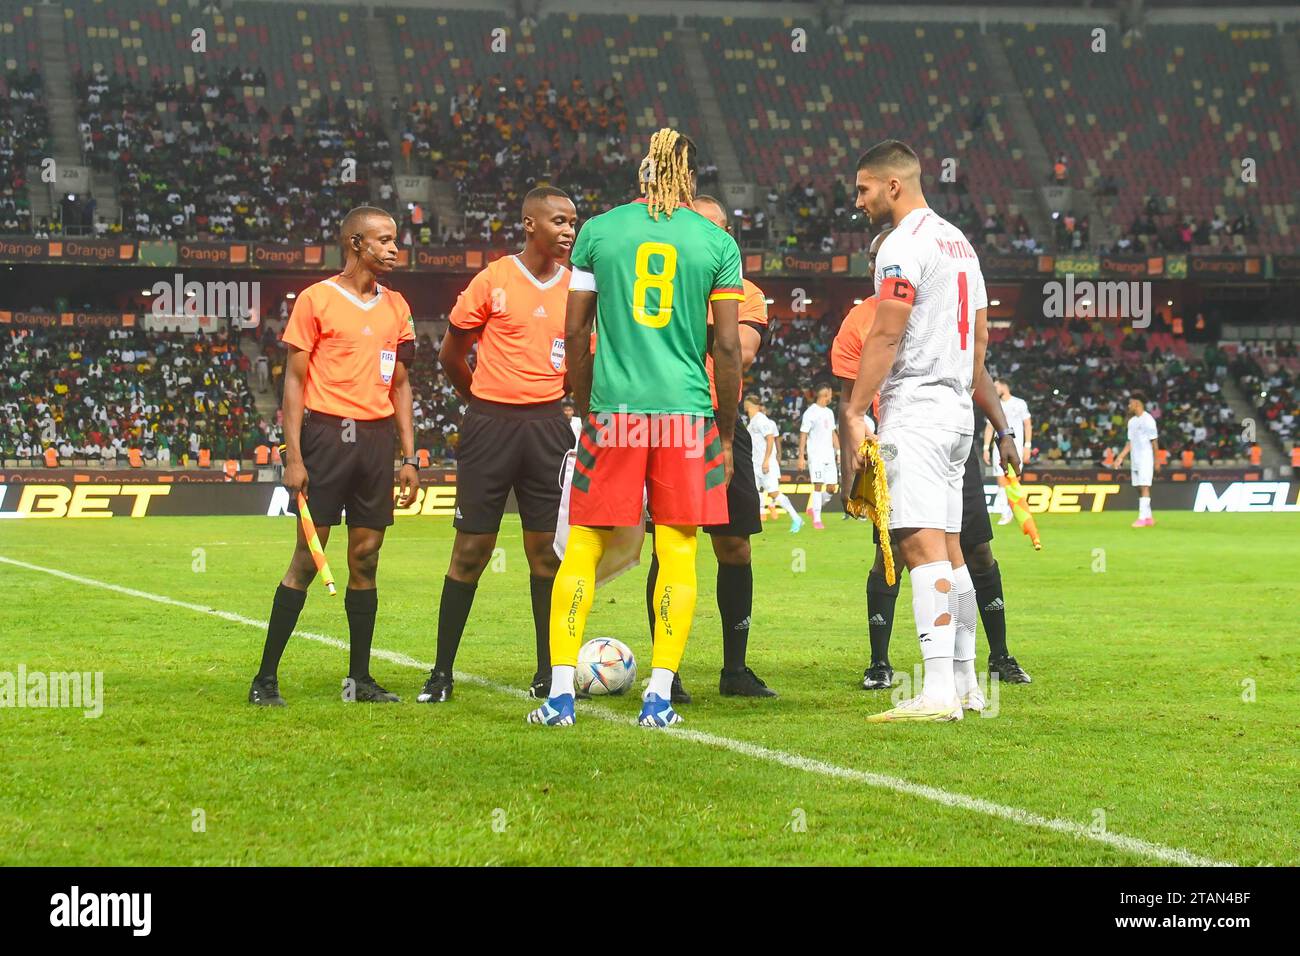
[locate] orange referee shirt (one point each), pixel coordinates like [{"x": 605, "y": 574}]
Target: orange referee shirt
[
  {"x": 351, "y": 346},
  {"x": 520, "y": 322},
  {"x": 846, "y": 350},
  {"x": 753, "y": 311}
]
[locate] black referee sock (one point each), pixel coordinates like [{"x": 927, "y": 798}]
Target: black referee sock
[
  {"x": 360, "y": 606},
  {"x": 993, "y": 610},
  {"x": 735, "y": 604},
  {"x": 541, "y": 591},
  {"x": 285, "y": 609},
  {"x": 881, "y": 599},
  {"x": 651, "y": 580},
  {"x": 453, "y": 612}
]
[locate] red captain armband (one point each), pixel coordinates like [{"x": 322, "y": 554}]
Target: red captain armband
[{"x": 897, "y": 289}]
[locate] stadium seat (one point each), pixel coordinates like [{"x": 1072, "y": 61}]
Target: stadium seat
[
  {"x": 51, "y": 458},
  {"x": 262, "y": 455},
  {"x": 205, "y": 458}
]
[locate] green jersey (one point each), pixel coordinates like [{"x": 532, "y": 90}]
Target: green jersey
[{"x": 654, "y": 281}]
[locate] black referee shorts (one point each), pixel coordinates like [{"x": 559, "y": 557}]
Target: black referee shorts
[
  {"x": 349, "y": 465},
  {"x": 975, "y": 525},
  {"x": 744, "y": 509},
  {"x": 504, "y": 447}
]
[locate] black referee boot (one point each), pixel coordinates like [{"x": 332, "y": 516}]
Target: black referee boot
[
  {"x": 679, "y": 695},
  {"x": 437, "y": 689},
  {"x": 366, "y": 690},
  {"x": 265, "y": 692},
  {"x": 743, "y": 683}
]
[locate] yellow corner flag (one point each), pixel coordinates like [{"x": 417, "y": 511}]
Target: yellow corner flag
[
  {"x": 313, "y": 542},
  {"x": 1016, "y": 498}
]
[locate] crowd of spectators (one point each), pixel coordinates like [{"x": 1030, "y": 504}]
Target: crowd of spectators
[
  {"x": 496, "y": 140},
  {"x": 196, "y": 162},
  {"x": 24, "y": 141},
  {"x": 1270, "y": 378},
  {"x": 96, "y": 394},
  {"x": 1154, "y": 230},
  {"x": 1078, "y": 393}
]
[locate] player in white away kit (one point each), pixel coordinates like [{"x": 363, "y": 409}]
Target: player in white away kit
[
  {"x": 766, "y": 439},
  {"x": 1016, "y": 413},
  {"x": 928, "y": 337},
  {"x": 1141, "y": 447},
  {"x": 819, "y": 450}
]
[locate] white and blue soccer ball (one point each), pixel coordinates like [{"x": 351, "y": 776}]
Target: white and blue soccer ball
[{"x": 605, "y": 666}]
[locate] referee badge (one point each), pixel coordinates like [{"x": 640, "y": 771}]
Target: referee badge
[
  {"x": 387, "y": 362},
  {"x": 557, "y": 353}
]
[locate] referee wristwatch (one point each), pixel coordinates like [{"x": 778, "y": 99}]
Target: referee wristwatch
[{"x": 412, "y": 461}]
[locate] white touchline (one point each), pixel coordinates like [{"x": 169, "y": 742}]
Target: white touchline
[{"x": 1154, "y": 851}]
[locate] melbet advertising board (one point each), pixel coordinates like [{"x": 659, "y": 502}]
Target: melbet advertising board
[{"x": 62, "y": 499}]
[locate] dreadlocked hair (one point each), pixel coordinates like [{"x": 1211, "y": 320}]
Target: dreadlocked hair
[{"x": 665, "y": 172}]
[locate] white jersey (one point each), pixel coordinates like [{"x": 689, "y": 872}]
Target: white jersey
[
  {"x": 1016, "y": 411},
  {"x": 819, "y": 424},
  {"x": 930, "y": 382},
  {"x": 759, "y": 427},
  {"x": 1141, "y": 432}
]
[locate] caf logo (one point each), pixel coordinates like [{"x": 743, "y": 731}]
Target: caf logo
[{"x": 888, "y": 452}]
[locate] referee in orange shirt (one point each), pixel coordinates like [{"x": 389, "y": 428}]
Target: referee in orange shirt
[
  {"x": 515, "y": 434},
  {"x": 350, "y": 342}
]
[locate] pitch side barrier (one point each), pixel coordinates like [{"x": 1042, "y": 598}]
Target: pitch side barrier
[{"x": 35, "y": 499}]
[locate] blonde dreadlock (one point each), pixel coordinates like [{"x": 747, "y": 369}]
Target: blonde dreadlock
[{"x": 665, "y": 173}]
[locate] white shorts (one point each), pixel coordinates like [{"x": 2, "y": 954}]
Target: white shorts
[
  {"x": 925, "y": 468},
  {"x": 823, "y": 471},
  {"x": 1141, "y": 473}
]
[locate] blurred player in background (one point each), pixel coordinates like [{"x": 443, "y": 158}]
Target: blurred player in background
[
  {"x": 645, "y": 273},
  {"x": 575, "y": 423},
  {"x": 735, "y": 583},
  {"x": 1143, "y": 447},
  {"x": 819, "y": 450},
  {"x": 921, "y": 354},
  {"x": 1016, "y": 413},
  {"x": 350, "y": 342},
  {"x": 766, "y": 440},
  {"x": 514, "y": 434}
]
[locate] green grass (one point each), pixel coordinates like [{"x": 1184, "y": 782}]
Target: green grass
[{"x": 1136, "y": 711}]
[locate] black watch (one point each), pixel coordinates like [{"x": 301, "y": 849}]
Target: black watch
[{"x": 414, "y": 461}]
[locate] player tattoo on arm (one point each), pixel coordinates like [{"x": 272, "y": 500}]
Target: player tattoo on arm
[
  {"x": 295, "y": 384},
  {"x": 579, "y": 317}
]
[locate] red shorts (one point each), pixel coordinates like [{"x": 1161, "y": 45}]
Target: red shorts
[{"x": 676, "y": 459}]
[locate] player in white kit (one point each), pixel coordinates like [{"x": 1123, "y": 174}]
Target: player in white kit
[
  {"x": 928, "y": 337},
  {"x": 766, "y": 440},
  {"x": 819, "y": 450},
  {"x": 1141, "y": 448},
  {"x": 1022, "y": 430}
]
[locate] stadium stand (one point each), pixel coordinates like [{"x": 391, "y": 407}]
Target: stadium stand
[
  {"x": 1148, "y": 126},
  {"x": 1270, "y": 378},
  {"x": 95, "y": 395},
  {"x": 24, "y": 124},
  {"x": 816, "y": 119}
]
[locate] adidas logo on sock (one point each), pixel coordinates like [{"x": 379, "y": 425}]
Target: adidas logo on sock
[
  {"x": 876, "y": 619},
  {"x": 995, "y": 605},
  {"x": 743, "y": 625}
]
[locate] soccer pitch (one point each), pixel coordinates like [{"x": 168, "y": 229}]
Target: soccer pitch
[{"x": 1160, "y": 727}]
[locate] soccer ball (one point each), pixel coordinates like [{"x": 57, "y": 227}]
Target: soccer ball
[{"x": 605, "y": 666}]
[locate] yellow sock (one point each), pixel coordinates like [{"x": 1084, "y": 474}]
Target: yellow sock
[
  {"x": 573, "y": 593},
  {"x": 674, "y": 594}
]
